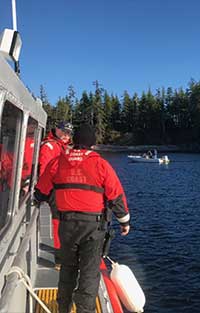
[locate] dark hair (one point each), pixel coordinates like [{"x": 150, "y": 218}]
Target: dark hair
[{"x": 84, "y": 136}]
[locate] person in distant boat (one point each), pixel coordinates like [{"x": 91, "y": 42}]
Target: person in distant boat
[
  {"x": 155, "y": 155},
  {"x": 56, "y": 141},
  {"x": 149, "y": 154},
  {"x": 83, "y": 181}
]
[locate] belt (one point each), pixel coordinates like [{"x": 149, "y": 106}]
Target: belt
[{"x": 82, "y": 216}]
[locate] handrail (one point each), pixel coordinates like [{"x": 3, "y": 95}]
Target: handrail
[
  {"x": 13, "y": 279},
  {"x": 27, "y": 283}
]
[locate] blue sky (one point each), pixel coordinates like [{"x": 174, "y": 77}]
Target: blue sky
[{"x": 128, "y": 45}]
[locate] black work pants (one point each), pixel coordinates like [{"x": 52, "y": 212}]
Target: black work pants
[{"x": 81, "y": 249}]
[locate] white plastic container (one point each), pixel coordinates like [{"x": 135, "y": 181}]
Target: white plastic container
[{"x": 128, "y": 288}]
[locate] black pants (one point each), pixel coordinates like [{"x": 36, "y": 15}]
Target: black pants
[{"x": 81, "y": 249}]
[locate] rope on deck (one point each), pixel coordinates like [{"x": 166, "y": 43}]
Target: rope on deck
[
  {"x": 25, "y": 280},
  {"x": 41, "y": 296}
]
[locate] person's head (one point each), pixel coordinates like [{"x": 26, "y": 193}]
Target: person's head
[
  {"x": 31, "y": 127},
  {"x": 84, "y": 136},
  {"x": 64, "y": 131}
]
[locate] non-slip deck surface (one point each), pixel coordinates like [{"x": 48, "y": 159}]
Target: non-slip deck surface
[{"x": 48, "y": 296}]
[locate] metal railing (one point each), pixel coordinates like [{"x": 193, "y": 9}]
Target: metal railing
[{"x": 12, "y": 279}]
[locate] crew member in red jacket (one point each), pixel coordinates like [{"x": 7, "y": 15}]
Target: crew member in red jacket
[
  {"x": 6, "y": 165},
  {"x": 82, "y": 181},
  {"x": 56, "y": 141},
  {"x": 28, "y": 157}
]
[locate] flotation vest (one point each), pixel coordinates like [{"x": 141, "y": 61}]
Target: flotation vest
[
  {"x": 83, "y": 180},
  {"x": 76, "y": 179}
]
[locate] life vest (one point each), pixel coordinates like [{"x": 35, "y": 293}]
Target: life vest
[
  {"x": 83, "y": 180},
  {"x": 76, "y": 178}
]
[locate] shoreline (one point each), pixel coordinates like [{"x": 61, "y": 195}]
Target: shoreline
[{"x": 193, "y": 148}]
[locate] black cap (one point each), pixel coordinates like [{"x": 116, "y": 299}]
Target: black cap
[{"x": 84, "y": 136}]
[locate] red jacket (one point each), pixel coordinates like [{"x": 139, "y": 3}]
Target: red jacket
[
  {"x": 50, "y": 148},
  {"x": 28, "y": 158},
  {"x": 6, "y": 166},
  {"x": 83, "y": 180}
]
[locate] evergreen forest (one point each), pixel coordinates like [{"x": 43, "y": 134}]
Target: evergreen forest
[{"x": 166, "y": 117}]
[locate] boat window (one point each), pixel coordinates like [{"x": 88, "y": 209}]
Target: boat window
[
  {"x": 9, "y": 134},
  {"x": 28, "y": 167}
]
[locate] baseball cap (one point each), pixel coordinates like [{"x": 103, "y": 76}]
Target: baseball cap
[{"x": 65, "y": 127}]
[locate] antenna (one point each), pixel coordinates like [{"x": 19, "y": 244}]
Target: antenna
[
  {"x": 14, "y": 18},
  {"x": 10, "y": 41},
  {"x": 14, "y": 15}
]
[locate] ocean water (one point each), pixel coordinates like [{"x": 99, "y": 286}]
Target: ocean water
[{"x": 163, "y": 247}]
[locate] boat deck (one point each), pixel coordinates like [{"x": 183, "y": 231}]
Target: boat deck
[{"x": 48, "y": 296}]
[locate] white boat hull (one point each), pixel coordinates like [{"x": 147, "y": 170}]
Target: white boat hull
[{"x": 140, "y": 159}]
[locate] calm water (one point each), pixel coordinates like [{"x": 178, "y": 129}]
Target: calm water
[{"x": 163, "y": 247}]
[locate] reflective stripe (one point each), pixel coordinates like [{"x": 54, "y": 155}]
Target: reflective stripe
[
  {"x": 124, "y": 219},
  {"x": 88, "y": 152},
  {"x": 49, "y": 145},
  {"x": 79, "y": 186}
]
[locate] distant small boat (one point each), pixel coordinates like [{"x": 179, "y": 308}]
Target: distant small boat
[{"x": 145, "y": 159}]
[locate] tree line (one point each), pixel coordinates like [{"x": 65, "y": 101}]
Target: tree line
[{"x": 167, "y": 117}]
